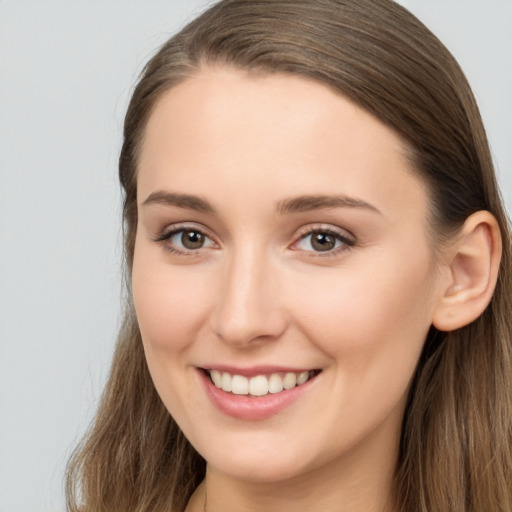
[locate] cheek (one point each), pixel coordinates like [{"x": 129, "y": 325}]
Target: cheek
[
  {"x": 168, "y": 308},
  {"x": 371, "y": 320},
  {"x": 372, "y": 327},
  {"x": 168, "y": 302}
]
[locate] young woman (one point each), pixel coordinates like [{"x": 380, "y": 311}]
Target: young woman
[{"x": 319, "y": 271}]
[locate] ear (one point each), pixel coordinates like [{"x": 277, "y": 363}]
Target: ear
[{"x": 472, "y": 261}]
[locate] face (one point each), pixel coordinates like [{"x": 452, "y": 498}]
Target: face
[{"x": 283, "y": 277}]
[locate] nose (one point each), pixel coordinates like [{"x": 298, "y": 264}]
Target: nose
[{"x": 248, "y": 310}]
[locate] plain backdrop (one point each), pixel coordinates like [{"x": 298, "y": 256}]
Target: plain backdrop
[{"x": 66, "y": 72}]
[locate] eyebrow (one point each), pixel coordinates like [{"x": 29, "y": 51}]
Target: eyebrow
[
  {"x": 293, "y": 205},
  {"x": 186, "y": 201},
  {"x": 316, "y": 202}
]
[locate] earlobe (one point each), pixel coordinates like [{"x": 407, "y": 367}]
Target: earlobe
[{"x": 473, "y": 262}]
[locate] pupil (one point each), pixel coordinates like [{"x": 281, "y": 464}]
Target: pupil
[
  {"x": 192, "y": 239},
  {"x": 323, "y": 242}
]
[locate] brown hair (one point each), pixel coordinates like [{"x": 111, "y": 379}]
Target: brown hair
[{"x": 456, "y": 444}]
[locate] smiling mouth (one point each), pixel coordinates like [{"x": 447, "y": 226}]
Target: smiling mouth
[{"x": 259, "y": 385}]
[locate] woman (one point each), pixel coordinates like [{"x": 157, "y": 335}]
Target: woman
[{"x": 319, "y": 271}]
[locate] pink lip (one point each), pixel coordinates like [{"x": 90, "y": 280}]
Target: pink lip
[{"x": 249, "y": 408}]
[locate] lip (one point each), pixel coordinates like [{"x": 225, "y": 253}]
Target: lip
[{"x": 249, "y": 408}]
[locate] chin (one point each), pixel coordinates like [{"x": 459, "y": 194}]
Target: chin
[
  {"x": 267, "y": 471},
  {"x": 259, "y": 462}
]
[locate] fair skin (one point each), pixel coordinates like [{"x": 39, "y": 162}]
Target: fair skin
[{"x": 281, "y": 231}]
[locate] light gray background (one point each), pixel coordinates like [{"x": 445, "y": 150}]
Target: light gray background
[{"x": 66, "y": 71}]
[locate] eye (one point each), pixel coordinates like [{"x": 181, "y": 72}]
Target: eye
[
  {"x": 326, "y": 241},
  {"x": 189, "y": 239},
  {"x": 183, "y": 240}
]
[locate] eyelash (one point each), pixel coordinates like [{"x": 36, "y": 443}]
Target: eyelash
[
  {"x": 166, "y": 236},
  {"x": 346, "y": 242}
]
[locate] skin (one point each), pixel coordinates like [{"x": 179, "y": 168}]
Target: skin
[{"x": 258, "y": 293}]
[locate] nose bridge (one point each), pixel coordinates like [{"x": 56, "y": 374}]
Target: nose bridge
[{"x": 248, "y": 306}]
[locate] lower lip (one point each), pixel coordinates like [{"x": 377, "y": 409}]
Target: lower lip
[{"x": 252, "y": 408}]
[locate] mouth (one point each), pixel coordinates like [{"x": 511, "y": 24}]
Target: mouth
[{"x": 259, "y": 385}]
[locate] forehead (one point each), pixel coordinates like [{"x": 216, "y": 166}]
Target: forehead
[{"x": 276, "y": 134}]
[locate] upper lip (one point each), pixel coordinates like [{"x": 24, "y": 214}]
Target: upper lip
[{"x": 252, "y": 371}]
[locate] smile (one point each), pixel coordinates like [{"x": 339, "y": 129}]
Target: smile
[{"x": 259, "y": 385}]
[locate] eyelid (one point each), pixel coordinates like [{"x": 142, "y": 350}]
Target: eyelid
[
  {"x": 346, "y": 237},
  {"x": 169, "y": 231},
  {"x": 328, "y": 228},
  {"x": 172, "y": 229}
]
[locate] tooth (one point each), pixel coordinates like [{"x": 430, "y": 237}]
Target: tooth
[
  {"x": 275, "y": 383},
  {"x": 289, "y": 381},
  {"x": 258, "y": 386},
  {"x": 216, "y": 377},
  {"x": 226, "y": 382},
  {"x": 302, "y": 377},
  {"x": 240, "y": 385}
]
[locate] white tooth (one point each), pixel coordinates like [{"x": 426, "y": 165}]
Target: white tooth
[
  {"x": 226, "y": 382},
  {"x": 240, "y": 385},
  {"x": 302, "y": 377},
  {"x": 275, "y": 383},
  {"x": 216, "y": 377},
  {"x": 289, "y": 381},
  {"x": 258, "y": 386}
]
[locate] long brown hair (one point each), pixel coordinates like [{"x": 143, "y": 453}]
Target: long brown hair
[{"x": 456, "y": 443}]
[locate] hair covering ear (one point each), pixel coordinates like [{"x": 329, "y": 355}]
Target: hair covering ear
[{"x": 474, "y": 260}]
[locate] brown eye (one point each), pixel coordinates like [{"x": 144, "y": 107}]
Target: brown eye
[
  {"x": 186, "y": 241},
  {"x": 323, "y": 241},
  {"x": 191, "y": 239}
]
